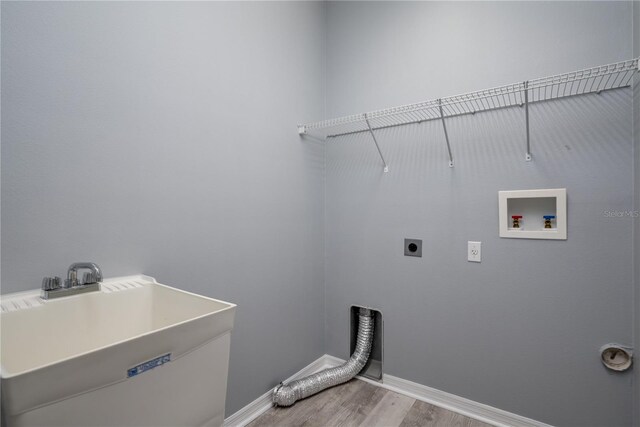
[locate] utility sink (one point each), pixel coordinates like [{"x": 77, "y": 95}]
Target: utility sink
[{"x": 134, "y": 353}]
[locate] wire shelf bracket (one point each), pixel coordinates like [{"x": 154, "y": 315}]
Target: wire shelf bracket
[
  {"x": 527, "y": 155},
  {"x": 446, "y": 135},
  {"x": 375, "y": 141},
  {"x": 593, "y": 80}
]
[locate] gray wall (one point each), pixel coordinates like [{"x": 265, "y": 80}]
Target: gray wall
[
  {"x": 636, "y": 235},
  {"x": 160, "y": 138},
  {"x": 520, "y": 331}
]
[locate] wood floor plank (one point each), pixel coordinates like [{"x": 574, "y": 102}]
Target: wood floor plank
[
  {"x": 390, "y": 411},
  {"x": 358, "y": 403},
  {"x": 309, "y": 411},
  {"x": 423, "y": 414},
  {"x": 352, "y": 413},
  {"x": 335, "y": 400}
]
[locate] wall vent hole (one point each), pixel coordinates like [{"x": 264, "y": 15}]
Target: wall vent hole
[{"x": 413, "y": 247}]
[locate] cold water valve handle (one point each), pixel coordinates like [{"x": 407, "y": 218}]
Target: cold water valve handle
[
  {"x": 89, "y": 277},
  {"x": 547, "y": 220}
]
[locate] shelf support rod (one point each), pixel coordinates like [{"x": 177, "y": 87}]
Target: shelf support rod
[
  {"x": 446, "y": 135},
  {"x": 375, "y": 141},
  {"x": 527, "y": 155}
]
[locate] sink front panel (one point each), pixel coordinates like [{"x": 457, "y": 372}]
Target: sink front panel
[{"x": 189, "y": 391}]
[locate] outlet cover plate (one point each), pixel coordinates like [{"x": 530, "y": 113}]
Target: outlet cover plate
[{"x": 474, "y": 251}]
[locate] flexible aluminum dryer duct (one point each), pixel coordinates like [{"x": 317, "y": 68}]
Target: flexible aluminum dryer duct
[{"x": 288, "y": 394}]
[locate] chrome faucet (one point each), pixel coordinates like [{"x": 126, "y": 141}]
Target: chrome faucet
[
  {"x": 92, "y": 276},
  {"x": 52, "y": 287}
]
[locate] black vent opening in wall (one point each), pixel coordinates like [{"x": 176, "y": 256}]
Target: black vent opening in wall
[
  {"x": 413, "y": 247},
  {"x": 373, "y": 367}
]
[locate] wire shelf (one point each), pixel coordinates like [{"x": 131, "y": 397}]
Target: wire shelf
[{"x": 591, "y": 80}]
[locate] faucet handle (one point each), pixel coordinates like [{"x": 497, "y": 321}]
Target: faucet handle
[
  {"x": 51, "y": 283},
  {"x": 89, "y": 277}
]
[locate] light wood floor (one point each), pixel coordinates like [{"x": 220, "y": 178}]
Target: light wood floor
[{"x": 358, "y": 403}]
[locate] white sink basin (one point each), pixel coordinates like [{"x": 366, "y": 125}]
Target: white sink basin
[{"x": 56, "y": 350}]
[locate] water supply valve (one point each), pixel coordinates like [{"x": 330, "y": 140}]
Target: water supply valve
[
  {"x": 516, "y": 220},
  {"x": 547, "y": 220}
]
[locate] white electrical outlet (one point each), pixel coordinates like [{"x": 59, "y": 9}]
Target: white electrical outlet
[{"x": 474, "y": 251}]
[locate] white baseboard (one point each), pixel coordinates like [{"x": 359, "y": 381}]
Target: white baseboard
[{"x": 469, "y": 408}]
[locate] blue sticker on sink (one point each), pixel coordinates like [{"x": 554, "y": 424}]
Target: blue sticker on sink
[{"x": 148, "y": 365}]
